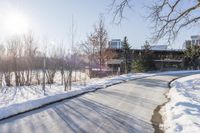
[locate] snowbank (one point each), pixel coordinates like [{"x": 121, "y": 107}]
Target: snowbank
[{"x": 182, "y": 112}]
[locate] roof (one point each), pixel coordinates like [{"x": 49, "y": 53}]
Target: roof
[
  {"x": 116, "y": 40},
  {"x": 166, "y": 50},
  {"x": 157, "y": 47},
  {"x": 169, "y": 60},
  {"x": 114, "y": 61}
]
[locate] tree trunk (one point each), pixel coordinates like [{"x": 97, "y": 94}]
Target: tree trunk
[
  {"x": 62, "y": 76},
  {"x": 1, "y": 79}
]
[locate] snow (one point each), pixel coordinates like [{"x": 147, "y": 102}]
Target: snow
[
  {"x": 182, "y": 112},
  {"x": 15, "y": 100}
]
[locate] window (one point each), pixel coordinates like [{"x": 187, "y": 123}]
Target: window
[{"x": 193, "y": 42}]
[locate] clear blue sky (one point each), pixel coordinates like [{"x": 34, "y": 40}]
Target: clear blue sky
[{"x": 51, "y": 19}]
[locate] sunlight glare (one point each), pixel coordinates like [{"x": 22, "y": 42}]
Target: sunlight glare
[{"x": 16, "y": 23}]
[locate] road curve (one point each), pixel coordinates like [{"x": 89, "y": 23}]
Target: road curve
[{"x": 126, "y": 107}]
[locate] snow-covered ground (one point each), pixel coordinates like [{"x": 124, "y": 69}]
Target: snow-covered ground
[
  {"x": 182, "y": 112},
  {"x": 14, "y": 100}
]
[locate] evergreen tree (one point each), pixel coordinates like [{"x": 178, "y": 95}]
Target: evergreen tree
[
  {"x": 191, "y": 59},
  {"x": 145, "y": 60},
  {"x": 127, "y": 55}
]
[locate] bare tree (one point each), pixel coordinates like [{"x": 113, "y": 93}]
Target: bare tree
[
  {"x": 118, "y": 7},
  {"x": 61, "y": 53},
  {"x": 109, "y": 54},
  {"x": 102, "y": 40},
  {"x": 169, "y": 17},
  {"x": 99, "y": 40},
  {"x": 6, "y": 67},
  {"x": 14, "y": 50},
  {"x": 70, "y": 60},
  {"x": 51, "y": 65},
  {"x": 74, "y": 50},
  {"x": 96, "y": 47},
  {"x": 88, "y": 49},
  {"x": 44, "y": 54},
  {"x": 21, "y": 59},
  {"x": 44, "y": 74},
  {"x": 30, "y": 54},
  {"x": 2, "y": 54},
  {"x": 68, "y": 72}
]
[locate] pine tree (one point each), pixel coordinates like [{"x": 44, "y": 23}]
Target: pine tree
[
  {"x": 127, "y": 55},
  {"x": 147, "y": 57},
  {"x": 145, "y": 61},
  {"x": 192, "y": 56}
]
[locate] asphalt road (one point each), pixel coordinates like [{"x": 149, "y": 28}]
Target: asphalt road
[{"x": 126, "y": 107}]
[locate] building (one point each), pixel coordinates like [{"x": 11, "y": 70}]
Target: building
[
  {"x": 164, "y": 59},
  {"x": 115, "y": 44},
  {"x": 195, "y": 40}
]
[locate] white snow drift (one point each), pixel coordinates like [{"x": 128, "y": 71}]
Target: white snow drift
[{"x": 182, "y": 112}]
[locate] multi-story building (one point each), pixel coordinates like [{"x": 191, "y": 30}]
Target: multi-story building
[
  {"x": 115, "y": 44},
  {"x": 195, "y": 40}
]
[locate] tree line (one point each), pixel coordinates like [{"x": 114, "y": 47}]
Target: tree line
[{"x": 23, "y": 63}]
